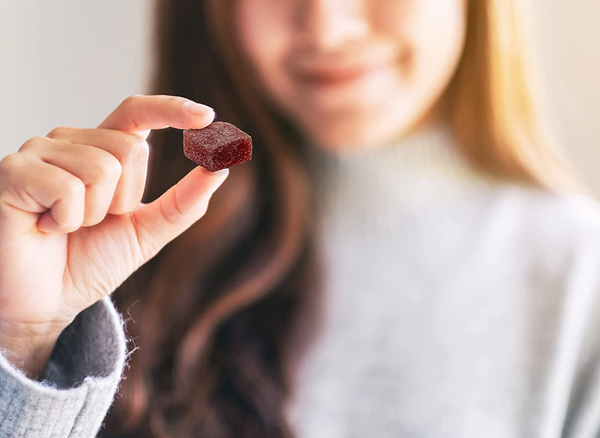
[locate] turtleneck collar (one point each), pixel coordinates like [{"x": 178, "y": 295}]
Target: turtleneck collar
[{"x": 424, "y": 168}]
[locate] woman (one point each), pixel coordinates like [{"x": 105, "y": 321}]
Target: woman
[{"x": 402, "y": 257}]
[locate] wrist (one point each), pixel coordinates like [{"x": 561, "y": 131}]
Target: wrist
[{"x": 28, "y": 346}]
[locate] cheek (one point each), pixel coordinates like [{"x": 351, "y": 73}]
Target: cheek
[
  {"x": 264, "y": 35},
  {"x": 434, "y": 32}
]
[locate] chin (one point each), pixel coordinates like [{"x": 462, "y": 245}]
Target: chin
[
  {"x": 339, "y": 141},
  {"x": 352, "y": 134}
]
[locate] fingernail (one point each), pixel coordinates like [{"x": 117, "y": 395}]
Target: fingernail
[
  {"x": 221, "y": 173},
  {"x": 218, "y": 175},
  {"x": 197, "y": 109},
  {"x": 216, "y": 179}
]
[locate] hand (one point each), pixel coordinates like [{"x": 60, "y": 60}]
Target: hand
[{"x": 72, "y": 228}]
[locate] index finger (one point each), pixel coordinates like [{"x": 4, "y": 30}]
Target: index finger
[{"x": 139, "y": 114}]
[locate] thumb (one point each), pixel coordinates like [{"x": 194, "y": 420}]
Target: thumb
[{"x": 160, "y": 221}]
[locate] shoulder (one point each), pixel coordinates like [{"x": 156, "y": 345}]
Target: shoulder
[
  {"x": 571, "y": 219},
  {"x": 558, "y": 232}
]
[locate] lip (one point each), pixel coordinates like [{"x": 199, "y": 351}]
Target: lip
[
  {"x": 325, "y": 70},
  {"x": 333, "y": 76}
]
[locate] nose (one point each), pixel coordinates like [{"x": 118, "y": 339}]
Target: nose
[{"x": 332, "y": 24}]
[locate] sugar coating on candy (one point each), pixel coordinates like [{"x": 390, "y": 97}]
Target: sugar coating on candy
[{"x": 218, "y": 146}]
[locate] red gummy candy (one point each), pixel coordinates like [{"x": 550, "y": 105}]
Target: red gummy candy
[{"x": 218, "y": 146}]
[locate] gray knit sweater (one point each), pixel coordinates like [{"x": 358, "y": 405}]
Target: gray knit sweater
[
  {"x": 79, "y": 384},
  {"x": 456, "y": 307}
]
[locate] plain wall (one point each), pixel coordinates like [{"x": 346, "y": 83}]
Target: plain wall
[
  {"x": 70, "y": 62},
  {"x": 568, "y": 41}
]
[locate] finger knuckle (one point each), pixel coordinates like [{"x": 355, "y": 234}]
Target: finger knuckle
[
  {"x": 109, "y": 168},
  {"x": 60, "y": 132},
  {"x": 170, "y": 213},
  {"x": 11, "y": 176},
  {"x": 33, "y": 143},
  {"x": 10, "y": 162},
  {"x": 132, "y": 100},
  {"x": 174, "y": 100},
  {"x": 113, "y": 168},
  {"x": 73, "y": 187},
  {"x": 135, "y": 151}
]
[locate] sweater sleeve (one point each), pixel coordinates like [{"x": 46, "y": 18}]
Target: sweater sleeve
[{"x": 79, "y": 383}]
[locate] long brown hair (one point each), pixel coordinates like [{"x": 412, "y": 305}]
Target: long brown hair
[{"x": 222, "y": 315}]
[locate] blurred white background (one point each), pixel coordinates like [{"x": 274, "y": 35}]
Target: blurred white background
[
  {"x": 68, "y": 62},
  {"x": 71, "y": 62}
]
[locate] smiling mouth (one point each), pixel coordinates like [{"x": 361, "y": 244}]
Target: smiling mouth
[{"x": 333, "y": 76}]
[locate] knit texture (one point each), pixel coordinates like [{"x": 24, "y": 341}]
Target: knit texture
[
  {"x": 79, "y": 384},
  {"x": 456, "y": 307}
]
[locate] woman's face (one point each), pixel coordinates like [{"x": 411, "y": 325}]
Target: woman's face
[{"x": 353, "y": 73}]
